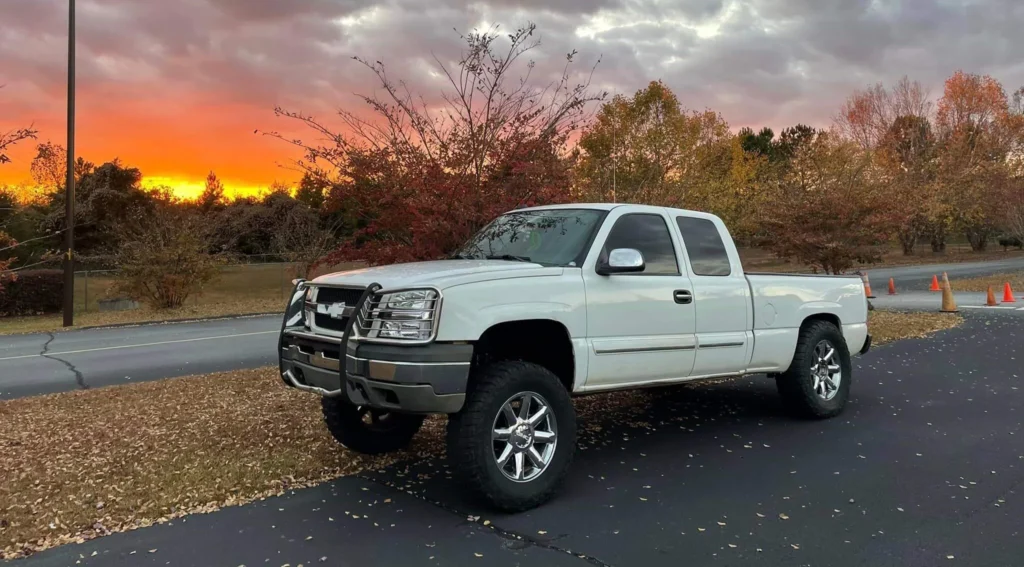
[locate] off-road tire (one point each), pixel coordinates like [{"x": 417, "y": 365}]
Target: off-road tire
[
  {"x": 389, "y": 432},
  {"x": 471, "y": 449},
  {"x": 796, "y": 385}
]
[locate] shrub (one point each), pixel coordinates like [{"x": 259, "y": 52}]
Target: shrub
[
  {"x": 1008, "y": 241},
  {"x": 33, "y": 292},
  {"x": 164, "y": 259}
]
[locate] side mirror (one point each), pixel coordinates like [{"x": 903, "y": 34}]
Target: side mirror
[{"x": 622, "y": 261}]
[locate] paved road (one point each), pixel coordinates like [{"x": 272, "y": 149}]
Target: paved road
[
  {"x": 919, "y": 278},
  {"x": 925, "y": 468},
  {"x": 931, "y": 301},
  {"x": 53, "y": 362}
]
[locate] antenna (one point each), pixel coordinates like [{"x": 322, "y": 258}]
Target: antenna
[{"x": 615, "y": 159}]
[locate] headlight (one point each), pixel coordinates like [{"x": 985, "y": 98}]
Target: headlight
[
  {"x": 405, "y": 315},
  {"x": 419, "y": 299}
]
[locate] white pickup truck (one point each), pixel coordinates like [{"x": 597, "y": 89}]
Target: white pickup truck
[{"x": 547, "y": 303}]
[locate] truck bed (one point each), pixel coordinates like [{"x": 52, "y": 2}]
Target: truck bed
[{"x": 781, "y": 302}]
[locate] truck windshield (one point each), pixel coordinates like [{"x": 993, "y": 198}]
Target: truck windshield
[{"x": 551, "y": 237}]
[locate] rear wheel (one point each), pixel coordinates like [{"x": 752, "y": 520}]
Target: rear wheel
[
  {"x": 817, "y": 384},
  {"x": 367, "y": 430},
  {"x": 514, "y": 440}
]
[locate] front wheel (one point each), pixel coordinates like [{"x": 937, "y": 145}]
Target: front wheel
[
  {"x": 367, "y": 430},
  {"x": 514, "y": 440},
  {"x": 817, "y": 384}
]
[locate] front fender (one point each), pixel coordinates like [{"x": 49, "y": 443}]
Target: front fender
[{"x": 469, "y": 310}]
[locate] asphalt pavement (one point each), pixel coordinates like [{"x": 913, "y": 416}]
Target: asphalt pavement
[
  {"x": 919, "y": 278},
  {"x": 925, "y": 468},
  {"x": 932, "y": 301},
  {"x": 44, "y": 363}
]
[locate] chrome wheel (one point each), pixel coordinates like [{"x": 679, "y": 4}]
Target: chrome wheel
[
  {"x": 524, "y": 436},
  {"x": 826, "y": 372}
]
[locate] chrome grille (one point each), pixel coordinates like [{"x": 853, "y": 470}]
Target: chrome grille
[{"x": 328, "y": 308}]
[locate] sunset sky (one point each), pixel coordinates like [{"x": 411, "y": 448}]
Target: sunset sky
[{"x": 177, "y": 87}]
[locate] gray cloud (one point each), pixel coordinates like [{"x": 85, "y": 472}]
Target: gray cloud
[{"x": 774, "y": 62}]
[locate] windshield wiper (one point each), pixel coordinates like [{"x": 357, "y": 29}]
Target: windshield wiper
[
  {"x": 462, "y": 257},
  {"x": 510, "y": 257}
]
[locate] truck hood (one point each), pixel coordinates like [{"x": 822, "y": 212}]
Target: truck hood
[{"x": 439, "y": 273}]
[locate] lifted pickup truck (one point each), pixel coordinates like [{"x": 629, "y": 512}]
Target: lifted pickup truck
[{"x": 551, "y": 302}]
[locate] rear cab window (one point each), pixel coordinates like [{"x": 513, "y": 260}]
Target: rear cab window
[{"x": 704, "y": 246}]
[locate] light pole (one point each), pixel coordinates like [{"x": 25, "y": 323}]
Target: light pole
[{"x": 69, "y": 195}]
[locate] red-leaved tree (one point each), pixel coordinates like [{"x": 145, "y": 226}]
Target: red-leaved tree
[
  {"x": 418, "y": 178},
  {"x": 827, "y": 210}
]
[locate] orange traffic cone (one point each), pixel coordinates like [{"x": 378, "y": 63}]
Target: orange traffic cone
[
  {"x": 867, "y": 286},
  {"x": 948, "y": 303},
  {"x": 991, "y": 300},
  {"x": 1008, "y": 294},
  {"x": 892, "y": 287},
  {"x": 935, "y": 284}
]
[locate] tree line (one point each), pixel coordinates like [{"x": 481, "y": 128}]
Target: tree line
[{"x": 413, "y": 180}]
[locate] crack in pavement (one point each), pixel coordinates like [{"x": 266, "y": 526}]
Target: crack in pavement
[
  {"x": 79, "y": 379},
  {"x": 501, "y": 532}
]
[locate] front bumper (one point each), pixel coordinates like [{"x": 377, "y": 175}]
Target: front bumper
[{"x": 413, "y": 379}]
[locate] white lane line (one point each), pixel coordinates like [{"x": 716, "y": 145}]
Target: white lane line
[
  {"x": 991, "y": 307},
  {"x": 139, "y": 345}
]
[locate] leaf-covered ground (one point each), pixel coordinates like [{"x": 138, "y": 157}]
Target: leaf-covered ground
[
  {"x": 888, "y": 326},
  {"x": 82, "y": 464}
]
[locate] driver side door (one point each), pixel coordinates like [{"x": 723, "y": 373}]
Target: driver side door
[{"x": 640, "y": 326}]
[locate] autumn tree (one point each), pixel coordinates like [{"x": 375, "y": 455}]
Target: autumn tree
[
  {"x": 977, "y": 134},
  {"x": 301, "y": 240},
  {"x": 826, "y": 210},
  {"x": 424, "y": 173},
  {"x": 634, "y": 150},
  {"x": 867, "y": 115},
  {"x": 894, "y": 125},
  {"x": 649, "y": 149},
  {"x": 906, "y": 158}
]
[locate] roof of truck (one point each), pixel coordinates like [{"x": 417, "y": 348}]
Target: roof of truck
[{"x": 610, "y": 206}]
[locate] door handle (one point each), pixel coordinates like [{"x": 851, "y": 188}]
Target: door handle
[{"x": 682, "y": 296}]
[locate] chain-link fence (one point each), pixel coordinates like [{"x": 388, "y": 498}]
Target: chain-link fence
[{"x": 235, "y": 282}]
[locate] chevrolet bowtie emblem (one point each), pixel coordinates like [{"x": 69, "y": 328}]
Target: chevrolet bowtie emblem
[{"x": 334, "y": 310}]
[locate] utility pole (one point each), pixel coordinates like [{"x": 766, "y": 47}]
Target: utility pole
[{"x": 69, "y": 186}]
